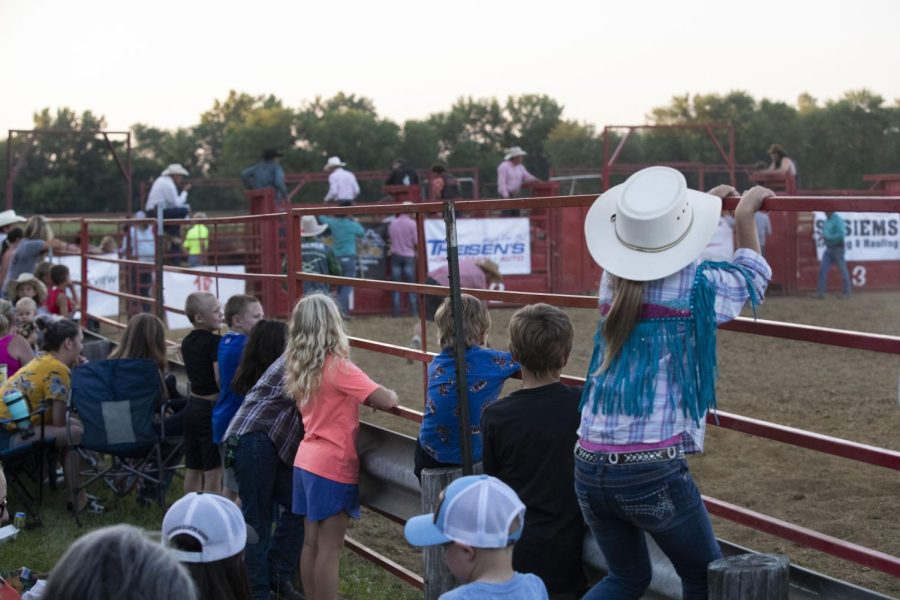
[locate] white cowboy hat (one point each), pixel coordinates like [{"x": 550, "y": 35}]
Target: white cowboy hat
[
  {"x": 650, "y": 226},
  {"x": 175, "y": 169},
  {"x": 309, "y": 226},
  {"x": 9, "y": 217},
  {"x": 514, "y": 152},
  {"x": 333, "y": 163},
  {"x": 12, "y": 287}
]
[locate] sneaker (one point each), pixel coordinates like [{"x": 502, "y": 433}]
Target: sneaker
[
  {"x": 92, "y": 506},
  {"x": 285, "y": 590}
]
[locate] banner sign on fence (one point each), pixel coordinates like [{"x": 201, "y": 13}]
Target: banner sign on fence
[
  {"x": 101, "y": 275},
  {"x": 507, "y": 242},
  {"x": 179, "y": 285},
  {"x": 868, "y": 236}
]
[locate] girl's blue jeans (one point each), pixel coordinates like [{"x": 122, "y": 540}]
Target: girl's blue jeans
[{"x": 622, "y": 502}]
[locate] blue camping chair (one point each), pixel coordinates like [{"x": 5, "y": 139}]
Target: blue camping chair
[
  {"x": 23, "y": 466},
  {"x": 120, "y": 403}
]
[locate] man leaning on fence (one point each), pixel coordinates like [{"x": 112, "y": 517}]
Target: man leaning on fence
[{"x": 267, "y": 173}]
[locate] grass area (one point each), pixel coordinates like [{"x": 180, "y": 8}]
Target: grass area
[{"x": 40, "y": 548}]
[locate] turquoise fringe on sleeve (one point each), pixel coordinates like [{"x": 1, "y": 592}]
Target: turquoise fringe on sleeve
[{"x": 686, "y": 345}]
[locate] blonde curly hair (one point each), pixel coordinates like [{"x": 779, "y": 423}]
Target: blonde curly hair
[{"x": 316, "y": 331}]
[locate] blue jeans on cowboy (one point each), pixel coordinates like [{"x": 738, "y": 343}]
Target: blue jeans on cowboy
[
  {"x": 833, "y": 254},
  {"x": 403, "y": 268},
  {"x": 265, "y": 491},
  {"x": 348, "y": 269},
  {"x": 621, "y": 502}
]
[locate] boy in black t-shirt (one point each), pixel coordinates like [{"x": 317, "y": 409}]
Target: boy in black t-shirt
[
  {"x": 528, "y": 441},
  {"x": 199, "y": 350}
]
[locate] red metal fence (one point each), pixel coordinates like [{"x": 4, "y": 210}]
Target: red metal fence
[{"x": 572, "y": 209}]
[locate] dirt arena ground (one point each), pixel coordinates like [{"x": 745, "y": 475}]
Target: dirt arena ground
[{"x": 845, "y": 393}]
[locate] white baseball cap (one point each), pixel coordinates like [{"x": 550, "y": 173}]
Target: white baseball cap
[
  {"x": 214, "y": 521},
  {"x": 478, "y": 510}
]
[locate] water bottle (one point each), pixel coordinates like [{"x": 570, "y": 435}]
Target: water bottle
[
  {"x": 20, "y": 520},
  {"x": 19, "y": 412}
]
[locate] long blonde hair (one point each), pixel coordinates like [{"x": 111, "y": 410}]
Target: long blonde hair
[
  {"x": 628, "y": 297},
  {"x": 37, "y": 228},
  {"x": 316, "y": 331}
]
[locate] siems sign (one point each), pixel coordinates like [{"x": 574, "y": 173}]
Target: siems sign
[
  {"x": 507, "y": 242},
  {"x": 868, "y": 236}
]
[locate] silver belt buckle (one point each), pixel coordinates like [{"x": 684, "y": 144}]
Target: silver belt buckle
[
  {"x": 612, "y": 459},
  {"x": 671, "y": 452}
]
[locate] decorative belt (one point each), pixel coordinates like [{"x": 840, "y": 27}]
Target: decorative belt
[{"x": 629, "y": 458}]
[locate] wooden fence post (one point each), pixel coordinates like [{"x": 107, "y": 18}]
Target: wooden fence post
[
  {"x": 438, "y": 578},
  {"x": 750, "y": 577}
]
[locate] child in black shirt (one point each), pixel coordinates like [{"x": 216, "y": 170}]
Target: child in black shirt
[
  {"x": 199, "y": 350},
  {"x": 528, "y": 441}
]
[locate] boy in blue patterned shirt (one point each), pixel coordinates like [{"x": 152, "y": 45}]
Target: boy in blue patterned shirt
[{"x": 439, "y": 442}]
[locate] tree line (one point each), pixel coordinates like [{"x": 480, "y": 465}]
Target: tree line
[{"x": 834, "y": 142}]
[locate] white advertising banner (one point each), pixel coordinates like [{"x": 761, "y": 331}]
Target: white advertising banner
[
  {"x": 177, "y": 287},
  {"x": 100, "y": 274},
  {"x": 507, "y": 242},
  {"x": 868, "y": 236}
]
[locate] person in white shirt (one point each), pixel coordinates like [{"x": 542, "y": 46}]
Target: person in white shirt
[
  {"x": 342, "y": 184},
  {"x": 164, "y": 190},
  {"x": 141, "y": 245}
]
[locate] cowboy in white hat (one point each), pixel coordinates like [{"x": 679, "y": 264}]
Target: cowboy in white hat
[
  {"x": 8, "y": 220},
  {"x": 342, "y": 184},
  {"x": 317, "y": 256},
  {"x": 164, "y": 190},
  {"x": 511, "y": 174}
]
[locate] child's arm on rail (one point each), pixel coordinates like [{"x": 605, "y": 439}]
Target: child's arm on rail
[{"x": 383, "y": 398}]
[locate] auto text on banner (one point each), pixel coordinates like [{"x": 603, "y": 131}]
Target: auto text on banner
[
  {"x": 867, "y": 236},
  {"x": 178, "y": 286},
  {"x": 102, "y": 275},
  {"x": 507, "y": 242}
]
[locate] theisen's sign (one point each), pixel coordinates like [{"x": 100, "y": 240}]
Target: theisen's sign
[
  {"x": 507, "y": 242},
  {"x": 867, "y": 236}
]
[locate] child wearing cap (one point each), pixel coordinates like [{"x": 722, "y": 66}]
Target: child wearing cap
[
  {"x": 528, "y": 440},
  {"x": 652, "y": 376},
  {"x": 207, "y": 534},
  {"x": 478, "y": 519},
  {"x": 438, "y": 443},
  {"x": 328, "y": 389}
]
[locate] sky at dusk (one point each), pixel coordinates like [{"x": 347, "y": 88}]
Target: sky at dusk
[{"x": 165, "y": 62}]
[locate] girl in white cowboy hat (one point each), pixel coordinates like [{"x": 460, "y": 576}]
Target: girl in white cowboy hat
[{"x": 653, "y": 370}]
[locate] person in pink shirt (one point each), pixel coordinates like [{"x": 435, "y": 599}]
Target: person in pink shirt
[
  {"x": 511, "y": 174},
  {"x": 404, "y": 239},
  {"x": 328, "y": 389}
]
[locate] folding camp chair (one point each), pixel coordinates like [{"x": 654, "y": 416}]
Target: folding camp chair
[
  {"x": 23, "y": 466},
  {"x": 120, "y": 405}
]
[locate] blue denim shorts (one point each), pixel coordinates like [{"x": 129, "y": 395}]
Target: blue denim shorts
[{"x": 318, "y": 498}]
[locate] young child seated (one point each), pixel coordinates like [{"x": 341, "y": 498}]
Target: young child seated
[
  {"x": 199, "y": 350},
  {"x": 27, "y": 285},
  {"x": 528, "y": 441},
  {"x": 26, "y": 313},
  {"x": 242, "y": 312},
  {"x": 62, "y": 298},
  {"x": 478, "y": 519},
  {"x": 438, "y": 444}
]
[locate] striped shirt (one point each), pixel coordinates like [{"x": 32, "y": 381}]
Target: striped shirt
[
  {"x": 269, "y": 409},
  {"x": 672, "y": 293}
]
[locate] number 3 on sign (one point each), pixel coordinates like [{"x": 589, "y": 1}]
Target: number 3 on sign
[
  {"x": 859, "y": 276},
  {"x": 204, "y": 283}
]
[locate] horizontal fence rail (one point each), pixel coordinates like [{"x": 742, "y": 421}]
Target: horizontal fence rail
[{"x": 792, "y": 331}]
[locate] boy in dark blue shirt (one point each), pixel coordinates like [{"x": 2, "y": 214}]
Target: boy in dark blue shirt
[
  {"x": 242, "y": 312},
  {"x": 487, "y": 370}
]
